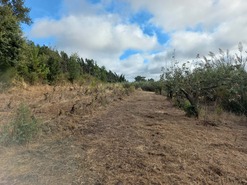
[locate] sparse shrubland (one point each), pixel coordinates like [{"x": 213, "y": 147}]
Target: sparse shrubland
[
  {"x": 50, "y": 104},
  {"x": 93, "y": 132},
  {"x": 218, "y": 81},
  {"x": 81, "y": 139}
]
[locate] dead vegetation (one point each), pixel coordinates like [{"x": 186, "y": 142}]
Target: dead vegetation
[{"x": 98, "y": 135}]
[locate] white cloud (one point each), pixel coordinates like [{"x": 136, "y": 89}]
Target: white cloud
[
  {"x": 189, "y": 44},
  {"x": 94, "y": 37},
  {"x": 229, "y": 33},
  {"x": 180, "y": 14},
  {"x": 132, "y": 66},
  {"x": 222, "y": 23},
  {"x": 194, "y": 26},
  {"x": 94, "y": 33}
]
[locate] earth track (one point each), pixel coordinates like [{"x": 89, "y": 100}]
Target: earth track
[{"x": 141, "y": 139}]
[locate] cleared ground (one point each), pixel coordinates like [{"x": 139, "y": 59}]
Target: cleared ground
[{"x": 136, "y": 139}]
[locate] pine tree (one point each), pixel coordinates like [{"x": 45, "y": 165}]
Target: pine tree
[
  {"x": 10, "y": 39},
  {"x": 18, "y": 10}
]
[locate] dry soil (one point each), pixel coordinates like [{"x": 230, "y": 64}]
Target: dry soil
[{"x": 136, "y": 139}]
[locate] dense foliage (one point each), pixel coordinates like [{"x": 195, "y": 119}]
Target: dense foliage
[
  {"x": 22, "y": 59},
  {"x": 147, "y": 85},
  {"x": 10, "y": 39},
  {"x": 40, "y": 64},
  {"x": 220, "y": 80},
  {"x": 19, "y": 11}
]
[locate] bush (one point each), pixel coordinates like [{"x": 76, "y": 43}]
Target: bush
[
  {"x": 191, "y": 111},
  {"x": 22, "y": 129},
  {"x": 129, "y": 88},
  {"x": 6, "y": 78},
  {"x": 220, "y": 80},
  {"x": 150, "y": 86}
]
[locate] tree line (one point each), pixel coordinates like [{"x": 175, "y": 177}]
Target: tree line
[{"x": 22, "y": 59}]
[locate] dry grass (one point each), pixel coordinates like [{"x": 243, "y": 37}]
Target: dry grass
[
  {"x": 215, "y": 116},
  {"x": 137, "y": 139}
]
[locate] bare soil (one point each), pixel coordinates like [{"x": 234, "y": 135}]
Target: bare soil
[{"x": 136, "y": 139}]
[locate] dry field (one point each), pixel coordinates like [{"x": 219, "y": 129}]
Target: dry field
[{"x": 97, "y": 136}]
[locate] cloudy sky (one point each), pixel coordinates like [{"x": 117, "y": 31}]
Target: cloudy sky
[{"x": 138, "y": 37}]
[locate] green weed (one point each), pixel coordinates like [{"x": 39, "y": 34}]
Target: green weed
[{"x": 22, "y": 129}]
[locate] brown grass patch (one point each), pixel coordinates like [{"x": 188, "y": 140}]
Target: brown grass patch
[{"x": 137, "y": 139}]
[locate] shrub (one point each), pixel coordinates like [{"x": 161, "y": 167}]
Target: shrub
[
  {"x": 6, "y": 78},
  {"x": 149, "y": 86},
  {"x": 191, "y": 111},
  {"x": 22, "y": 129},
  {"x": 220, "y": 80},
  {"x": 128, "y": 87}
]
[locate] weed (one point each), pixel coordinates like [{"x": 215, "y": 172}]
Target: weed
[
  {"x": 22, "y": 129},
  {"x": 190, "y": 110},
  {"x": 218, "y": 110},
  {"x": 129, "y": 88}
]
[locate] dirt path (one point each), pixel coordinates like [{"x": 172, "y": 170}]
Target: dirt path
[{"x": 141, "y": 139}]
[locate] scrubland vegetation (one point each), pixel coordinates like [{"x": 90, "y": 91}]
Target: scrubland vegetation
[
  {"x": 25, "y": 111},
  {"x": 66, "y": 120},
  {"x": 217, "y": 81},
  {"x": 24, "y": 64}
]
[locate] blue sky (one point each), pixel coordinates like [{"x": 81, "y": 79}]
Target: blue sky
[
  {"x": 137, "y": 37},
  {"x": 44, "y": 8}
]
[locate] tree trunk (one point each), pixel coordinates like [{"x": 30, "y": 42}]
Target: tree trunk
[{"x": 193, "y": 102}]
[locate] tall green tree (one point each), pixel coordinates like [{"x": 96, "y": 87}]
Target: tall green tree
[
  {"x": 10, "y": 39},
  {"x": 73, "y": 68},
  {"x": 140, "y": 79},
  {"x": 19, "y": 10},
  {"x": 12, "y": 13},
  {"x": 33, "y": 66},
  {"x": 103, "y": 73},
  {"x": 64, "y": 62},
  {"x": 53, "y": 63}
]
